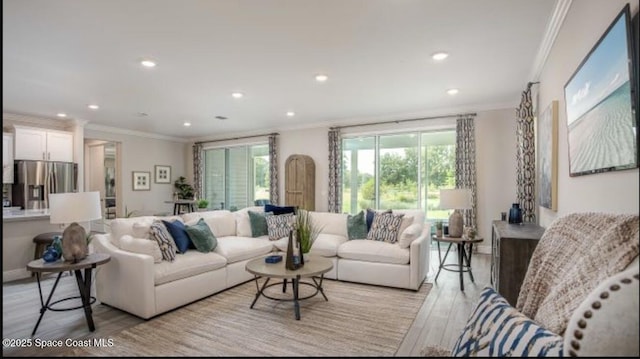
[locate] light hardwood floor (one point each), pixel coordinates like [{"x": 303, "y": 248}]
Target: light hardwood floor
[{"x": 438, "y": 323}]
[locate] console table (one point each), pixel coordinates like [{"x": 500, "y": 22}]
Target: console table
[{"x": 511, "y": 248}]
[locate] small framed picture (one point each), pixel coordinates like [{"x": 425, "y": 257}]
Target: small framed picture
[
  {"x": 163, "y": 174},
  {"x": 141, "y": 181}
]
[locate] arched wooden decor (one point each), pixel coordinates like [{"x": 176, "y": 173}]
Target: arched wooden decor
[{"x": 300, "y": 182}]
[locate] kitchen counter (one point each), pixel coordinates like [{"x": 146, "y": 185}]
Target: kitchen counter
[{"x": 17, "y": 215}]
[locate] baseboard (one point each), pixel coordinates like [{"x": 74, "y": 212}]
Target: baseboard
[{"x": 15, "y": 274}]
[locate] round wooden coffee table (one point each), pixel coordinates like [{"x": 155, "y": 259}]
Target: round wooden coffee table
[
  {"x": 93, "y": 260},
  {"x": 314, "y": 268}
]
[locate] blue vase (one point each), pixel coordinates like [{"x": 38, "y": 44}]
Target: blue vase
[
  {"x": 51, "y": 255},
  {"x": 515, "y": 214},
  {"x": 57, "y": 245}
]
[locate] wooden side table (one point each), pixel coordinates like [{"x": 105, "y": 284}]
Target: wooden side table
[
  {"x": 93, "y": 260},
  {"x": 464, "y": 257}
]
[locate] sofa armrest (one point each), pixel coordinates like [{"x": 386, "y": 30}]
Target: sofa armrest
[
  {"x": 419, "y": 257},
  {"x": 127, "y": 280}
]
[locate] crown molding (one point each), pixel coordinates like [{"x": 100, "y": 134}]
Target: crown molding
[
  {"x": 122, "y": 131},
  {"x": 553, "y": 28},
  {"x": 10, "y": 119}
]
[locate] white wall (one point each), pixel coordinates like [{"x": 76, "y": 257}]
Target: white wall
[
  {"x": 617, "y": 191},
  {"x": 142, "y": 154}
]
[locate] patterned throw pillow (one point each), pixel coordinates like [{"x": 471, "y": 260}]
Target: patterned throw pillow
[
  {"x": 385, "y": 227},
  {"x": 357, "y": 226},
  {"x": 369, "y": 216},
  {"x": 279, "y": 226},
  {"x": 495, "y": 328},
  {"x": 167, "y": 246}
]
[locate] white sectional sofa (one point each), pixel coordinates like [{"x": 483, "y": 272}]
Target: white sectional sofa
[{"x": 138, "y": 283}]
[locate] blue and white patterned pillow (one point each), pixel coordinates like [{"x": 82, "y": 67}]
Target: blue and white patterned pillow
[
  {"x": 278, "y": 226},
  {"x": 167, "y": 246},
  {"x": 385, "y": 227},
  {"x": 497, "y": 329}
]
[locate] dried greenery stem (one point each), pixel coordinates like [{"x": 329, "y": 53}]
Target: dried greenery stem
[{"x": 306, "y": 230}]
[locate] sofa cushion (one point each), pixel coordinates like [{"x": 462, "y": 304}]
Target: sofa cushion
[
  {"x": 179, "y": 235},
  {"x": 327, "y": 244},
  {"x": 165, "y": 242},
  {"x": 258, "y": 224},
  {"x": 187, "y": 265},
  {"x": 124, "y": 226},
  {"x": 497, "y": 329},
  {"x": 141, "y": 246},
  {"x": 201, "y": 236},
  {"x": 409, "y": 235},
  {"x": 417, "y": 214},
  {"x": 142, "y": 230},
  {"x": 331, "y": 223},
  {"x": 357, "y": 226},
  {"x": 279, "y": 226},
  {"x": 374, "y": 251},
  {"x": 195, "y": 216},
  {"x": 236, "y": 249},
  {"x": 222, "y": 223},
  {"x": 385, "y": 227},
  {"x": 406, "y": 222},
  {"x": 243, "y": 223}
]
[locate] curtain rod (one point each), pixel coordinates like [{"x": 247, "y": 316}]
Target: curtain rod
[
  {"x": 406, "y": 120},
  {"x": 237, "y": 138}
]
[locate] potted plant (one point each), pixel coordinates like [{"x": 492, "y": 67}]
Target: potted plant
[
  {"x": 184, "y": 189},
  {"x": 306, "y": 231},
  {"x": 203, "y": 205},
  {"x": 438, "y": 228}
]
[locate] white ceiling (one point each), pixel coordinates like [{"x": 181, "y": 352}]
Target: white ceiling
[{"x": 60, "y": 56}]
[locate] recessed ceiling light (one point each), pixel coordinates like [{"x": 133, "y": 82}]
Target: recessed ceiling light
[
  {"x": 439, "y": 56},
  {"x": 187, "y": 124},
  {"x": 452, "y": 91},
  {"x": 237, "y": 95},
  {"x": 148, "y": 63},
  {"x": 321, "y": 78},
  {"x": 93, "y": 107},
  {"x": 221, "y": 117},
  {"x": 62, "y": 114},
  {"x": 142, "y": 114},
  {"x": 291, "y": 114}
]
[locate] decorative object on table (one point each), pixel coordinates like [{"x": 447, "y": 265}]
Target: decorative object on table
[
  {"x": 503, "y": 216},
  {"x": 306, "y": 231},
  {"x": 273, "y": 259},
  {"x": 293, "y": 255},
  {"x": 57, "y": 245},
  {"x": 141, "y": 180},
  {"x": 515, "y": 214},
  {"x": 184, "y": 189},
  {"x": 51, "y": 255},
  {"x": 599, "y": 102},
  {"x": 456, "y": 199},
  {"x": 438, "y": 228},
  {"x": 163, "y": 174},
  {"x": 470, "y": 232},
  {"x": 203, "y": 205},
  {"x": 71, "y": 208},
  {"x": 548, "y": 156}
]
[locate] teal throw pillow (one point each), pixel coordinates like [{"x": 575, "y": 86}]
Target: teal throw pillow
[
  {"x": 202, "y": 237},
  {"x": 258, "y": 224},
  {"x": 357, "y": 226}
]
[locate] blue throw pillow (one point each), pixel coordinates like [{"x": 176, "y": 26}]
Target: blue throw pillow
[
  {"x": 279, "y": 210},
  {"x": 179, "y": 234}
]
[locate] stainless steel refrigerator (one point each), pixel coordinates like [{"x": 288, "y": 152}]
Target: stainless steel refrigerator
[{"x": 34, "y": 180}]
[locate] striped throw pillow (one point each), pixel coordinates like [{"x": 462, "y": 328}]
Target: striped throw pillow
[
  {"x": 167, "y": 246},
  {"x": 385, "y": 227},
  {"x": 495, "y": 329}
]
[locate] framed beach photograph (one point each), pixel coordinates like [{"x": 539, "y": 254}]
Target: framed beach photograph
[
  {"x": 163, "y": 174},
  {"x": 141, "y": 180},
  {"x": 547, "y": 135},
  {"x": 600, "y": 106}
]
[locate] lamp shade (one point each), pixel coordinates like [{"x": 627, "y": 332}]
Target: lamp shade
[
  {"x": 456, "y": 198},
  {"x": 72, "y": 207}
]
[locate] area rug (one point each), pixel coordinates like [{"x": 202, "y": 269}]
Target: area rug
[{"x": 358, "y": 320}]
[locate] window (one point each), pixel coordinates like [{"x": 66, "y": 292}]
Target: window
[
  {"x": 398, "y": 171},
  {"x": 236, "y": 176}
]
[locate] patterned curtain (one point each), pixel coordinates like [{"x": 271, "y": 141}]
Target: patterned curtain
[
  {"x": 198, "y": 170},
  {"x": 273, "y": 169},
  {"x": 335, "y": 173},
  {"x": 466, "y": 165},
  {"x": 526, "y": 158}
]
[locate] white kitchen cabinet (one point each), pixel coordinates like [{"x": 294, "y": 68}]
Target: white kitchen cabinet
[
  {"x": 40, "y": 144},
  {"x": 7, "y": 158}
]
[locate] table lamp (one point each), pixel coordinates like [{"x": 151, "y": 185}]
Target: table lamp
[
  {"x": 456, "y": 199},
  {"x": 71, "y": 208}
]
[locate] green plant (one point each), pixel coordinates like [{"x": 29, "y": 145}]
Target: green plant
[
  {"x": 128, "y": 214},
  {"x": 203, "y": 203},
  {"x": 306, "y": 230},
  {"x": 185, "y": 190},
  {"x": 439, "y": 225}
]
